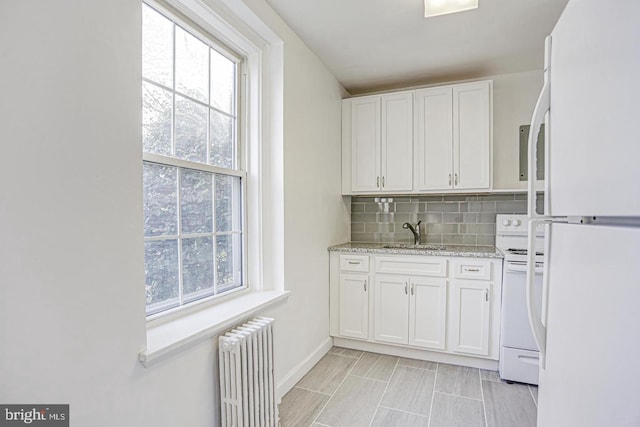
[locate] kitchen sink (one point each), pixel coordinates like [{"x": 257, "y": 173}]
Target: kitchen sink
[{"x": 417, "y": 247}]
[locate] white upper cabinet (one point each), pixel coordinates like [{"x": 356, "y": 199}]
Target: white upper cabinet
[
  {"x": 397, "y": 142},
  {"x": 381, "y": 144},
  {"x": 453, "y": 137},
  {"x": 429, "y": 140},
  {"x": 472, "y": 136},
  {"x": 365, "y": 144},
  {"x": 434, "y": 137}
]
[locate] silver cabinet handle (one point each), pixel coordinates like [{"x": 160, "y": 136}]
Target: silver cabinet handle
[
  {"x": 412, "y": 288},
  {"x": 475, "y": 270},
  {"x": 354, "y": 262},
  {"x": 455, "y": 179},
  {"x": 486, "y": 294},
  {"x": 406, "y": 290},
  {"x": 449, "y": 179},
  {"x": 365, "y": 286},
  {"x": 383, "y": 182},
  {"x": 378, "y": 182}
]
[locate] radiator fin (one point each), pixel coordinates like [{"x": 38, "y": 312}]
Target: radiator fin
[{"x": 247, "y": 386}]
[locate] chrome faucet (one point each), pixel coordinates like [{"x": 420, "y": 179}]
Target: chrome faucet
[{"x": 415, "y": 230}]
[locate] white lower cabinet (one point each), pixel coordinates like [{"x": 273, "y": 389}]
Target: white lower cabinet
[
  {"x": 354, "y": 305},
  {"x": 410, "y": 310},
  {"x": 449, "y": 305},
  {"x": 428, "y": 312},
  {"x": 470, "y": 308},
  {"x": 391, "y": 309}
]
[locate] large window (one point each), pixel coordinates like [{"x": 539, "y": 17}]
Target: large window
[{"x": 193, "y": 175}]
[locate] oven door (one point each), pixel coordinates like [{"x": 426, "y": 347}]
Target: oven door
[{"x": 516, "y": 331}]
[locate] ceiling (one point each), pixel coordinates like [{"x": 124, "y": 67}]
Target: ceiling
[{"x": 386, "y": 44}]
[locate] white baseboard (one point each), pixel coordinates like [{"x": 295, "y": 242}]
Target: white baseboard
[{"x": 300, "y": 370}]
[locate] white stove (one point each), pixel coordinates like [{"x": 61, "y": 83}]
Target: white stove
[
  {"x": 518, "y": 349},
  {"x": 511, "y": 238}
]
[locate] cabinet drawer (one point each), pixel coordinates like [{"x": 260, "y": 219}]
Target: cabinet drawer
[
  {"x": 359, "y": 263},
  {"x": 415, "y": 266},
  {"x": 472, "y": 269}
]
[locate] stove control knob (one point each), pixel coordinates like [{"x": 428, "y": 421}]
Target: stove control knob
[
  {"x": 506, "y": 222},
  {"x": 516, "y": 222}
]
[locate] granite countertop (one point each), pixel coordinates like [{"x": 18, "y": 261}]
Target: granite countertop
[{"x": 431, "y": 250}]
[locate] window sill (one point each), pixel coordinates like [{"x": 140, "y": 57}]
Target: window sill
[{"x": 178, "y": 334}]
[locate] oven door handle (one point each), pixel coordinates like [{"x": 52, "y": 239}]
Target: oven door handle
[{"x": 522, "y": 268}]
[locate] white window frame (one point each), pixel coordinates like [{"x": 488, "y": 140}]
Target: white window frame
[
  {"x": 208, "y": 37},
  {"x": 235, "y": 24}
]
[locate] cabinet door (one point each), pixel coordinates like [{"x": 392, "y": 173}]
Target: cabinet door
[
  {"x": 470, "y": 306},
  {"x": 472, "y": 135},
  {"x": 365, "y": 144},
  {"x": 397, "y": 142},
  {"x": 434, "y": 138},
  {"x": 391, "y": 308},
  {"x": 354, "y": 306},
  {"x": 427, "y": 312}
]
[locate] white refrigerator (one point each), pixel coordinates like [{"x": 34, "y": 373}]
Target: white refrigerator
[{"x": 589, "y": 329}]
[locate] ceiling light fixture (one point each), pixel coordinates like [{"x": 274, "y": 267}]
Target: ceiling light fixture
[{"x": 443, "y": 7}]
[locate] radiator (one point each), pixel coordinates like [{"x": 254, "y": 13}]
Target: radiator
[{"x": 247, "y": 388}]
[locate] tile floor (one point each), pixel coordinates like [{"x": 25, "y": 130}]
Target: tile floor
[{"x": 354, "y": 388}]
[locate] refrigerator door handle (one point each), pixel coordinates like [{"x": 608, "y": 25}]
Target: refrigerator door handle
[
  {"x": 539, "y": 114},
  {"x": 542, "y": 106},
  {"x": 535, "y": 320}
]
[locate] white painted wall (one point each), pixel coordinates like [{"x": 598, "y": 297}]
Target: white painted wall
[
  {"x": 71, "y": 266},
  {"x": 514, "y": 98},
  {"x": 71, "y": 303},
  {"x": 315, "y": 215}
]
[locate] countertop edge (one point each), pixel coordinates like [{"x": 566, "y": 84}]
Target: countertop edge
[{"x": 449, "y": 251}]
